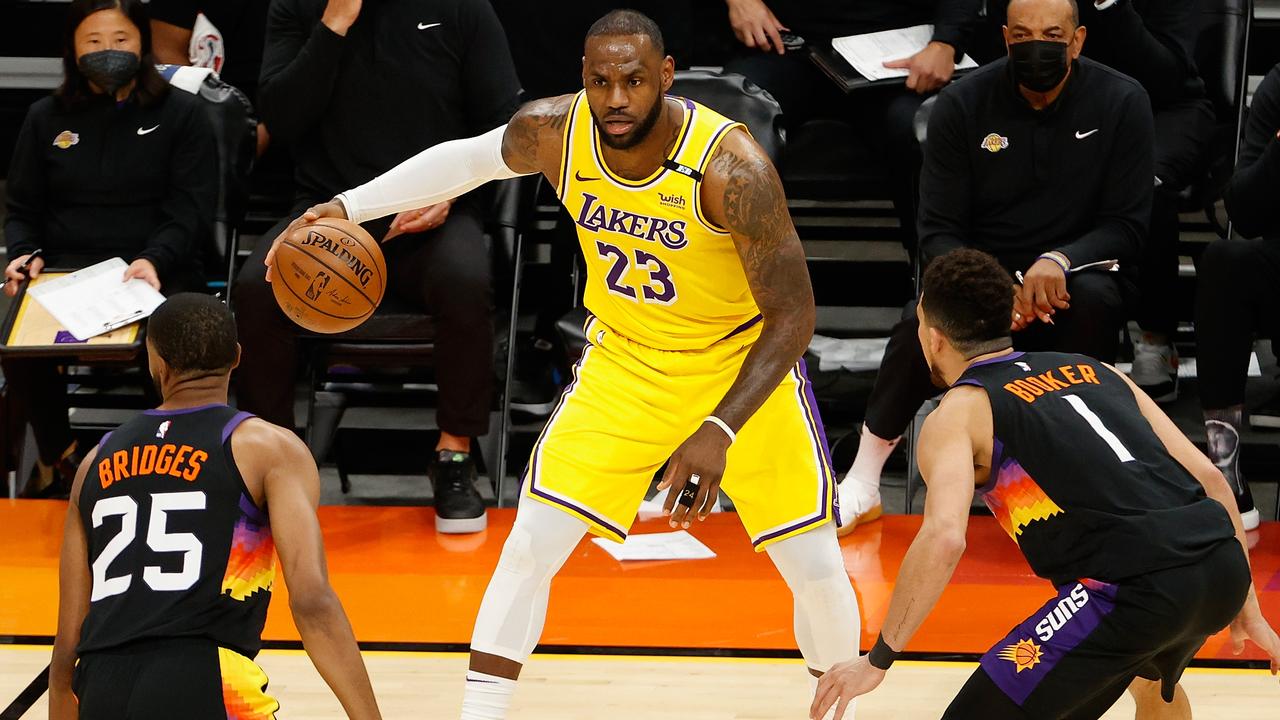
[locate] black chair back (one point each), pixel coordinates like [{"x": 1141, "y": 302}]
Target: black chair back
[
  {"x": 1220, "y": 52},
  {"x": 737, "y": 98},
  {"x": 235, "y": 132}
]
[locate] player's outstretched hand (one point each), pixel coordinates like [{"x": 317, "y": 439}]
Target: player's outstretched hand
[
  {"x": 332, "y": 209},
  {"x": 1251, "y": 625},
  {"x": 841, "y": 684},
  {"x": 702, "y": 455}
]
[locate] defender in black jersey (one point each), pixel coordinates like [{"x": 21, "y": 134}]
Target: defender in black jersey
[
  {"x": 1137, "y": 530},
  {"x": 168, "y": 549}
]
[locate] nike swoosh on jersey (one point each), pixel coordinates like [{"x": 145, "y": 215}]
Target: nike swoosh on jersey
[
  {"x": 578, "y": 176},
  {"x": 1081, "y": 136},
  {"x": 425, "y": 26},
  {"x": 146, "y": 131}
]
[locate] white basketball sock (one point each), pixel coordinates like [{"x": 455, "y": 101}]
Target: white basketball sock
[
  {"x": 873, "y": 452},
  {"x": 487, "y": 697}
]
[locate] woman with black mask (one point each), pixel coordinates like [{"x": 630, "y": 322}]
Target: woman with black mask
[{"x": 112, "y": 165}]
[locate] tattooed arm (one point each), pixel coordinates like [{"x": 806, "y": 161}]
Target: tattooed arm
[
  {"x": 528, "y": 144},
  {"x": 742, "y": 192}
]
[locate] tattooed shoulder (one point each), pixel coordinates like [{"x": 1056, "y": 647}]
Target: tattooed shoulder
[
  {"x": 752, "y": 203},
  {"x": 535, "y": 131}
]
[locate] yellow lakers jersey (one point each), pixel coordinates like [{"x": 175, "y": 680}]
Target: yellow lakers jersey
[{"x": 658, "y": 271}]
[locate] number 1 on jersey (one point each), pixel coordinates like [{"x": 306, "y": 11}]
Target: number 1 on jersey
[{"x": 1095, "y": 422}]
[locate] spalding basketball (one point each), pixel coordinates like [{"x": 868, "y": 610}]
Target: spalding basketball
[{"x": 329, "y": 276}]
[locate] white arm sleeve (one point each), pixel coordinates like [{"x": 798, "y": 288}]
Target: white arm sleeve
[{"x": 434, "y": 175}]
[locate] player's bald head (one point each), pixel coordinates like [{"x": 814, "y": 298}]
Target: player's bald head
[{"x": 1035, "y": 13}]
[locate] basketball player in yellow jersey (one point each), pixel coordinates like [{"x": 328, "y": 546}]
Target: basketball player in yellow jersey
[{"x": 701, "y": 310}]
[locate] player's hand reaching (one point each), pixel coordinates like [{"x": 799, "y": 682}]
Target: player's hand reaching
[
  {"x": 701, "y": 457},
  {"x": 841, "y": 684},
  {"x": 332, "y": 209},
  {"x": 1251, "y": 625}
]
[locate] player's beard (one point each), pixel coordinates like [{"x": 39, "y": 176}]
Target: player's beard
[{"x": 638, "y": 133}]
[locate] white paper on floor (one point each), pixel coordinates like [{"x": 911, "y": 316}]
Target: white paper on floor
[{"x": 678, "y": 545}]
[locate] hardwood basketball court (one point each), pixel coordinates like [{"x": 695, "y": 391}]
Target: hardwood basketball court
[{"x": 412, "y": 593}]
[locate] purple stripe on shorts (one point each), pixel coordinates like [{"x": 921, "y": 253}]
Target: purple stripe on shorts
[
  {"x": 580, "y": 510},
  {"x": 1022, "y": 660},
  {"x": 181, "y": 411},
  {"x": 818, "y": 434},
  {"x": 234, "y": 423}
]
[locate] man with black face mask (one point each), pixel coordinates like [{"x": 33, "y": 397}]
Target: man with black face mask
[{"x": 1044, "y": 160}]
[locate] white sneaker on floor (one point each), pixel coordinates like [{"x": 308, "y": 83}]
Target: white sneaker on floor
[
  {"x": 1155, "y": 370},
  {"x": 859, "y": 504}
]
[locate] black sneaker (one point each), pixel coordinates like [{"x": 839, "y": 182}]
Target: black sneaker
[
  {"x": 1224, "y": 451},
  {"x": 53, "y": 482},
  {"x": 459, "y": 508}
]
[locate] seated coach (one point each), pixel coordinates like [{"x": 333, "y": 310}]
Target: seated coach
[
  {"x": 114, "y": 164},
  {"x": 1044, "y": 160},
  {"x": 354, "y": 89}
]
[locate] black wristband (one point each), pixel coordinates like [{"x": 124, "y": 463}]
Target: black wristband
[{"x": 882, "y": 656}]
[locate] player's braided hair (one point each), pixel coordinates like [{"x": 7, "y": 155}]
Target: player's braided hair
[
  {"x": 628, "y": 22},
  {"x": 969, "y": 297},
  {"x": 194, "y": 333}
]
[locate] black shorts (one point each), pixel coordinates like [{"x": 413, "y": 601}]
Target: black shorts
[
  {"x": 1078, "y": 653},
  {"x": 188, "y": 678}
]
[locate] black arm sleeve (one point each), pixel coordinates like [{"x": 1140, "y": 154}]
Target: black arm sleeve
[
  {"x": 179, "y": 13},
  {"x": 188, "y": 208},
  {"x": 1251, "y": 196},
  {"x": 1155, "y": 48},
  {"x": 1124, "y": 207},
  {"x": 946, "y": 183},
  {"x": 27, "y": 192},
  {"x": 300, "y": 64},
  {"x": 954, "y": 21},
  {"x": 488, "y": 72}
]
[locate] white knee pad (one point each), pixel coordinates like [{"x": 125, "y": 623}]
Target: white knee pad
[{"x": 511, "y": 616}]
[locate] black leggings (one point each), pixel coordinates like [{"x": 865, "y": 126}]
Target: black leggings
[{"x": 1237, "y": 296}]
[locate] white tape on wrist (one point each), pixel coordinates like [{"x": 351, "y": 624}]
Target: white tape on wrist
[{"x": 723, "y": 426}]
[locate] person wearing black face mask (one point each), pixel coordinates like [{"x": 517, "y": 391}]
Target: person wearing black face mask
[
  {"x": 112, "y": 165},
  {"x": 1044, "y": 160}
]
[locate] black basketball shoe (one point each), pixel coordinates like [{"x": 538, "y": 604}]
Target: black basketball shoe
[
  {"x": 459, "y": 507},
  {"x": 1224, "y": 451}
]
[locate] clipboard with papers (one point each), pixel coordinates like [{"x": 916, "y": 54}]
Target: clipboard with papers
[
  {"x": 85, "y": 313},
  {"x": 856, "y": 61}
]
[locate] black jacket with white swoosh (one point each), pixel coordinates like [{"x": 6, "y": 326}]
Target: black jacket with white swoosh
[
  {"x": 114, "y": 179},
  {"x": 1015, "y": 182}
]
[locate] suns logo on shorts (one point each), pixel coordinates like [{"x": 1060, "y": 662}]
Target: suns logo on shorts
[
  {"x": 994, "y": 142},
  {"x": 1024, "y": 654}
]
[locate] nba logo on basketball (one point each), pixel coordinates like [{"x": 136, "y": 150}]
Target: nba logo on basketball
[{"x": 317, "y": 286}]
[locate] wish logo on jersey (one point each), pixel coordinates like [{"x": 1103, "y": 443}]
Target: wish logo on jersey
[
  {"x": 595, "y": 215},
  {"x": 1018, "y": 663}
]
